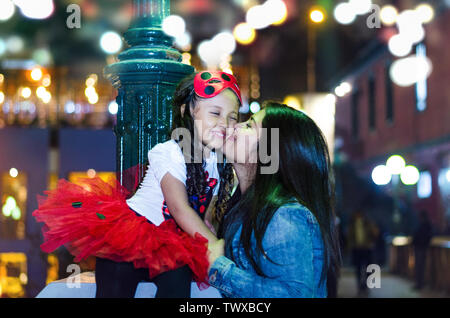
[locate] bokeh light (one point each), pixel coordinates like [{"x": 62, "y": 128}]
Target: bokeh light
[
  {"x": 25, "y": 92},
  {"x": 278, "y": 10},
  {"x": 36, "y": 74},
  {"x": 15, "y": 44},
  {"x": 399, "y": 45},
  {"x": 425, "y": 12},
  {"x": 381, "y": 175},
  {"x": 343, "y": 89},
  {"x": 292, "y": 101},
  {"x": 244, "y": 33},
  {"x": 409, "y": 25},
  {"x": 255, "y": 107},
  {"x": 34, "y": 9},
  {"x": 360, "y": 6},
  {"x": 91, "y": 173},
  {"x": 13, "y": 172},
  {"x": 225, "y": 42},
  {"x": 46, "y": 97},
  {"x": 174, "y": 25},
  {"x": 111, "y": 42},
  {"x": 344, "y": 13},
  {"x": 7, "y": 9},
  {"x": 257, "y": 17},
  {"x": 395, "y": 164},
  {"x": 40, "y": 91},
  {"x": 317, "y": 16},
  {"x": 184, "y": 41},
  {"x": 113, "y": 107},
  {"x": 410, "y": 175},
  {"x": 410, "y": 70},
  {"x": 388, "y": 15}
]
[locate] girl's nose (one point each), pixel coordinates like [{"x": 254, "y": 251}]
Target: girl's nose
[{"x": 222, "y": 122}]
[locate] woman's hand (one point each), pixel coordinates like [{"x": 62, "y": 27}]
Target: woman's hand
[{"x": 216, "y": 249}]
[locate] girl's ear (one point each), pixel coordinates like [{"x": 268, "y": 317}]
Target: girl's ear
[{"x": 182, "y": 108}]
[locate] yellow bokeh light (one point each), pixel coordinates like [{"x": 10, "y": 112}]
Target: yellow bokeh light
[
  {"x": 92, "y": 80},
  {"x": 2, "y": 97},
  {"x": 244, "y": 33},
  {"x": 186, "y": 58},
  {"x": 47, "y": 97},
  {"x": 13, "y": 172},
  {"x": 25, "y": 92},
  {"x": 36, "y": 74},
  {"x": 426, "y": 12},
  {"x": 228, "y": 70},
  {"x": 388, "y": 15},
  {"x": 46, "y": 81},
  {"x": 293, "y": 102},
  {"x": 282, "y": 15},
  {"x": 93, "y": 99},
  {"x": 317, "y": 16},
  {"x": 40, "y": 91},
  {"x": 90, "y": 91}
]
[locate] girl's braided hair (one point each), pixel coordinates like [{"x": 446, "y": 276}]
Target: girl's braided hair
[{"x": 196, "y": 177}]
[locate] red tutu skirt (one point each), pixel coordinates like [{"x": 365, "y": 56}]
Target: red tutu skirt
[{"x": 92, "y": 218}]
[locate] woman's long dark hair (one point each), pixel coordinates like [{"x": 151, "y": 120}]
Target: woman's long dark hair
[
  {"x": 303, "y": 173},
  {"x": 196, "y": 178}
]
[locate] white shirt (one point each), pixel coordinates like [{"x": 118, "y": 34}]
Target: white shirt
[{"x": 166, "y": 157}]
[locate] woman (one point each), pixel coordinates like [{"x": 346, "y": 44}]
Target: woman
[{"x": 280, "y": 238}]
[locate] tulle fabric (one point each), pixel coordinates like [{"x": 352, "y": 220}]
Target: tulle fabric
[{"x": 92, "y": 218}]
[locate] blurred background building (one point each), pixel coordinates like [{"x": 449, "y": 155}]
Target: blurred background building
[{"x": 372, "y": 74}]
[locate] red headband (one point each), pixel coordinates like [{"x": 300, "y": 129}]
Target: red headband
[{"x": 208, "y": 84}]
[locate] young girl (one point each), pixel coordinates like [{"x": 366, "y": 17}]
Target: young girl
[{"x": 160, "y": 231}]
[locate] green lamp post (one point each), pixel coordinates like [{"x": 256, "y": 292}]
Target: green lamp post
[{"x": 145, "y": 77}]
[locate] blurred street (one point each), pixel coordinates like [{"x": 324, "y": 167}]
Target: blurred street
[{"x": 392, "y": 286}]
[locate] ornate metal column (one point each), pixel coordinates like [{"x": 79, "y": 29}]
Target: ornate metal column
[{"x": 145, "y": 76}]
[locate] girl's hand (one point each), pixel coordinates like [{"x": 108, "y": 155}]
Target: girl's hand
[{"x": 216, "y": 249}]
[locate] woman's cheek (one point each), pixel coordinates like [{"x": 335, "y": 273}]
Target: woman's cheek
[{"x": 243, "y": 150}]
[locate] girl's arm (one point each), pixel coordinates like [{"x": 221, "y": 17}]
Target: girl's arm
[{"x": 177, "y": 201}]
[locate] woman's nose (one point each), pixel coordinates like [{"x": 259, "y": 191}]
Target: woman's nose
[
  {"x": 239, "y": 126},
  {"x": 230, "y": 131}
]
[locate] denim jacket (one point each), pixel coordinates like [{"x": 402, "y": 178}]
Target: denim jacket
[{"x": 293, "y": 241}]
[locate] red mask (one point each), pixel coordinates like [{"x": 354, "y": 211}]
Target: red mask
[{"x": 208, "y": 84}]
